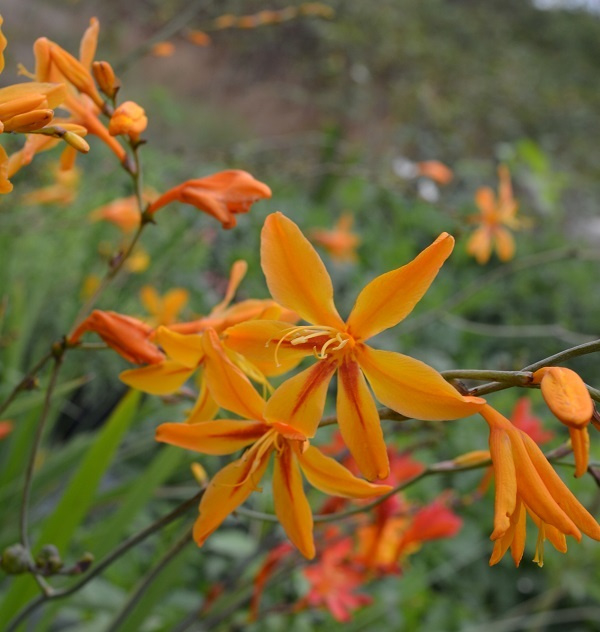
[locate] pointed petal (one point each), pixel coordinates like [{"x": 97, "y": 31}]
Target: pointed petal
[
  {"x": 561, "y": 493},
  {"x": 230, "y": 388},
  {"x": 236, "y": 275},
  {"x": 480, "y": 245},
  {"x": 486, "y": 201},
  {"x": 332, "y": 478},
  {"x": 184, "y": 348},
  {"x": 502, "y": 544},
  {"x": 413, "y": 388},
  {"x": 300, "y": 400},
  {"x": 359, "y": 422},
  {"x": 229, "y": 488},
  {"x": 296, "y": 276},
  {"x": 291, "y": 505},
  {"x": 517, "y": 547},
  {"x": 205, "y": 407},
  {"x": 173, "y": 302},
  {"x": 224, "y": 436},
  {"x": 505, "y": 244},
  {"x": 150, "y": 299},
  {"x": 391, "y": 297},
  {"x": 257, "y": 340},
  {"x": 580, "y": 441},
  {"x": 505, "y": 499},
  {"x": 158, "y": 379}
]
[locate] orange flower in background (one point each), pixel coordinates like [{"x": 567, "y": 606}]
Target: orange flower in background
[
  {"x": 497, "y": 214},
  {"x": 265, "y": 435},
  {"x": 6, "y": 426},
  {"x": 163, "y": 309},
  {"x": 298, "y": 280},
  {"x": 222, "y": 195},
  {"x": 123, "y": 212},
  {"x": 126, "y": 335},
  {"x": 525, "y": 420},
  {"x": 199, "y": 38},
  {"x": 568, "y": 398},
  {"x": 436, "y": 171},
  {"x": 163, "y": 49},
  {"x": 129, "y": 119},
  {"x": 526, "y": 483},
  {"x": 62, "y": 192},
  {"x": 340, "y": 242}
]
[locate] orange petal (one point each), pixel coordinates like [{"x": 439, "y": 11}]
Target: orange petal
[
  {"x": 505, "y": 498},
  {"x": 480, "y": 245},
  {"x": 299, "y": 401},
  {"x": 502, "y": 544},
  {"x": 230, "y": 388},
  {"x": 257, "y": 341},
  {"x": 291, "y": 505},
  {"x": 389, "y": 298},
  {"x": 148, "y": 295},
  {"x": 580, "y": 441},
  {"x": 186, "y": 349},
  {"x": 229, "y": 488},
  {"x": 238, "y": 272},
  {"x": 566, "y": 395},
  {"x": 486, "y": 201},
  {"x": 505, "y": 244},
  {"x": 89, "y": 42},
  {"x": 359, "y": 422},
  {"x": 332, "y": 478},
  {"x": 413, "y": 388},
  {"x": 223, "y": 436},
  {"x": 205, "y": 407},
  {"x": 517, "y": 548},
  {"x": 296, "y": 276},
  {"x": 173, "y": 303},
  {"x": 158, "y": 379}
]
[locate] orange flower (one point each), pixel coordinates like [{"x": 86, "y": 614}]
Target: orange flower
[
  {"x": 526, "y": 483},
  {"x": 129, "y": 119},
  {"x": 495, "y": 215},
  {"x": 163, "y": 49},
  {"x": 164, "y": 309},
  {"x": 567, "y": 397},
  {"x": 221, "y": 195},
  {"x": 63, "y": 191},
  {"x": 340, "y": 242},
  {"x": 106, "y": 78},
  {"x": 298, "y": 280},
  {"x": 266, "y": 435},
  {"x": 123, "y": 212},
  {"x": 6, "y": 426},
  {"x": 436, "y": 171},
  {"x": 127, "y": 336},
  {"x": 199, "y": 38}
]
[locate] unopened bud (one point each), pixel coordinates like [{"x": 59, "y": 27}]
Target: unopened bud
[
  {"x": 566, "y": 395},
  {"x": 128, "y": 119},
  {"x": 475, "y": 457},
  {"x": 48, "y": 559},
  {"x": 28, "y": 122},
  {"x": 86, "y": 560},
  {"x": 105, "y": 78},
  {"x": 75, "y": 72},
  {"x": 78, "y": 143},
  {"x": 16, "y": 559}
]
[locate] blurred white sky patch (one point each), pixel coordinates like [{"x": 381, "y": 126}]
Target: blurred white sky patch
[{"x": 592, "y": 6}]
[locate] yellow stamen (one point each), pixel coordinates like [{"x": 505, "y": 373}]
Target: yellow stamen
[{"x": 539, "y": 546}]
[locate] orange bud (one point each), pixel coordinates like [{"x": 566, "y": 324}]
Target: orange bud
[
  {"x": 2, "y": 45},
  {"x": 435, "y": 170},
  {"x": 580, "y": 442},
  {"x": 21, "y": 105},
  {"x": 105, "y": 78},
  {"x": 475, "y": 457},
  {"x": 225, "y": 21},
  {"x": 566, "y": 395},
  {"x": 75, "y": 73},
  {"x": 28, "y": 122},
  {"x": 221, "y": 195},
  {"x": 200, "y": 38},
  {"x": 127, "y": 336},
  {"x": 163, "y": 49},
  {"x": 5, "y": 426},
  {"x": 128, "y": 119}
]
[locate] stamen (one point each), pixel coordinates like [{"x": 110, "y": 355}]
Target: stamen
[{"x": 539, "y": 546}]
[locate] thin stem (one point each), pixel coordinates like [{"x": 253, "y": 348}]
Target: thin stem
[
  {"x": 26, "y": 381},
  {"x": 24, "y": 515},
  {"x": 40, "y": 600},
  {"x": 147, "y": 581}
]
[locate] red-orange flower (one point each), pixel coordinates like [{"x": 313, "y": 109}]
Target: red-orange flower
[
  {"x": 222, "y": 195},
  {"x": 436, "y": 171},
  {"x": 126, "y": 335},
  {"x": 340, "y": 242},
  {"x": 6, "y": 426}
]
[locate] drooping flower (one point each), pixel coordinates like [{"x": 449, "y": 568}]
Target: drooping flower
[
  {"x": 526, "y": 483},
  {"x": 497, "y": 215},
  {"x": 222, "y": 195},
  {"x": 568, "y": 398},
  {"x": 128, "y": 336},
  {"x": 298, "y": 280},
  {"x": 264, "y": 436},
  {"x": 340, "y": 242}
]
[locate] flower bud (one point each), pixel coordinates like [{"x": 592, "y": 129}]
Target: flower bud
[
  {"x": 128, "y": 119},
  {"x": 75, "y": 73},
  {"x": 48, "y": 559},
  {"x": 475, "y": 457},
  {"x": 105, "y": 78},
  {"x": 566, "y": 395},
  {"x": 76, "y": 141},
  {"x": 16, "y": 559},
  {"x": 29, "y": 121}
]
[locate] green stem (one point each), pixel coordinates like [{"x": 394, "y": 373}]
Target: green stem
[
  {"x": 26, "y": 381},
  {"x": 40, "y": 600},
  {"x": 147, "y": 581}
]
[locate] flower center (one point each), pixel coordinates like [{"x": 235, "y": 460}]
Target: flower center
[{"x": 324, "y": 340}]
